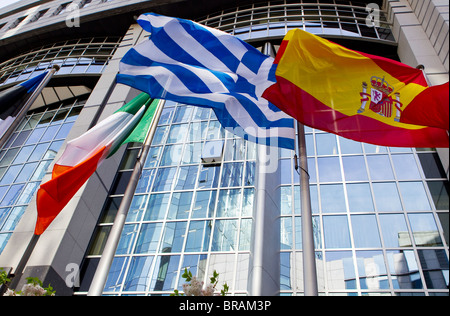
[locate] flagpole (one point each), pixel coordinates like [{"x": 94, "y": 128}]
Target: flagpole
[
  {"x": 18, "y": 272},
  {"x": 309, "y": 258},
  {"x": 26, "y": 107},
  {"x": 101, "y": 274}
]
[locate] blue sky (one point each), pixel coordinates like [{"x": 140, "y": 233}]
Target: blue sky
[{"x": 4, "y": 3}]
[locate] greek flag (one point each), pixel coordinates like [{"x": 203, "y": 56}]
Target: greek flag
[{"x": 188, "y": 63}]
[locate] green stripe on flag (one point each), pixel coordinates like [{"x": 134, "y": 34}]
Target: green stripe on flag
[
  {"x": 140, "y": 132},
  {"x": 134, "y": 105}
]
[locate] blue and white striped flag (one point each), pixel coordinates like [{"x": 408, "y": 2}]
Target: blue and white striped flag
[{"x": 186, "y": 62}]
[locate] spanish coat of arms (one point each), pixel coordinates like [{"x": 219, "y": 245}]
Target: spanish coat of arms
[{"x": 380, "y": 97}]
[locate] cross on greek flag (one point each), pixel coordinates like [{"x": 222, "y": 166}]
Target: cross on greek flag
[{"x": 186, "y": 62}]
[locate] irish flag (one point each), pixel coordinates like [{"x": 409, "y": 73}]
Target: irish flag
[
  {"x": 84, "y": 154},
  {"x": 359, "y": 96}
]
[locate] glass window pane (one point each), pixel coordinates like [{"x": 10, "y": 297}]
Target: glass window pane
[
  {"x": 12, "y": 195},
  {"x": 432, "y": 166},
  {"x": 157, "y": 207},
  {"x": 435, "y": 266},
  {"x": 250, "y": 173},
  {"x": 336, "y": 232},
  {"x": 380, "y": 167},
  {"x": 354, "y": 168},
  {"x": 386, "y": 197},
  {"x": 21, "y": 138},
  {"x": 285, "y": 165},
  {"x": 200, "y": 113},
  {"x": 11, "y": 174},
  {"x": 116, "y": 274},
  {"x": 164, "y": 179},
  {"x": 205, "y": 202},
  {"x": 365, "y": 231},
  {"x": 182, "y": 114},
  {"x": 138, "y": 275},
  {"x": 225, "y": 235},
  {"x": 404, "y": 269},
  {"x": 229, "y": 203},
  {"x": 444, "y": 221},
  {"x": 209, "y": 177},
  {"x": 148, "y": 238},
  {"x": 349, "y": 146},
  {"x": 316, "y": 232},
  {"x": 145, "y": 181},
  {"x": 35, "y": 136},
  {"x": 13, "y": 219},
  {"x": 137, "y": 208},
  {"x": 340, "y": 270},
  {"x": 160, "y": 135},
  {"x": 232, "y": 174},
  {"x": 198, "y": 236},
  {"x": 64, "y": 131},
  {"x": 286, "y": 200},
  {"x": 372, "y": 270},
  {"x": 152, "y": 158},
  {"x": 187, "y": 177},
  {"x": 374, "y": 149},
  {"x": 129, "y": 160},
  {"x": 333, "y": 198},
  {"x": 171, "y": 155},
  {"x": 329, "y": 169},
  {"x": 28, "y": 193},
  {"x": 165, "y": 274},
  {"x": 174, "y": 235},
  {"x": 180, "y": 205},
  {"x": 424, "y": 230},
  {"x": 405, "y": 167},
  {"x": 414, "y": 196},
  {"x": 166, "y": 116},
  {"x": 101, "y": 236},
  {"x": 247, "y": 202},
  {"x": 177, "y": 133},
  {"x": 198, "y": 131},
  {"x": 127, "y": 238},
  {"x": 286, "y": 233},
  {"x": 245, "y": 234},
  {"x": 359, "y": 197},
  {"x": 192, "y": 153},
  {"x": 25, "y": 153},
  {"x": 41, "y": 170},
  {"x": 394, "y": 230},
  {"x": 285, "y": 271},
  {"x": 50, "y": 133},
  {"x": 195, "y": 264},
  {"x": 440, "y": 194},
  {"x": 235, "y": 149},
  {"x": 120, "y": 183},
  {"x": 326, "y": 144}
]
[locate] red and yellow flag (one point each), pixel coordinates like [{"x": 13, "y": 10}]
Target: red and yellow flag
[{"x": 359, "y": 96}]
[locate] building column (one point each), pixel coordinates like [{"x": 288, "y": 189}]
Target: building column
[{"x": 421, "y": 29}]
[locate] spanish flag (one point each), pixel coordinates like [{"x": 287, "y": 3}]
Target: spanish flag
[
  {"x": 83, "y": 155},
  {"x": 359, "y": 96}
]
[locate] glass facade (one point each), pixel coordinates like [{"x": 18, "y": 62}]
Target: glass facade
[
  {"x": 380, "y": 215},
  {"x": 184, "y": 214},
  {"x": 27, "y": 155},
  {"x": 77, "y": 56},
  {"x": 273, "y": 19},
  {"x": 378, "y": 221}
]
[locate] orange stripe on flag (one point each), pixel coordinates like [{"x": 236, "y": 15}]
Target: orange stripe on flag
[{"x": 55, "y": 194}]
